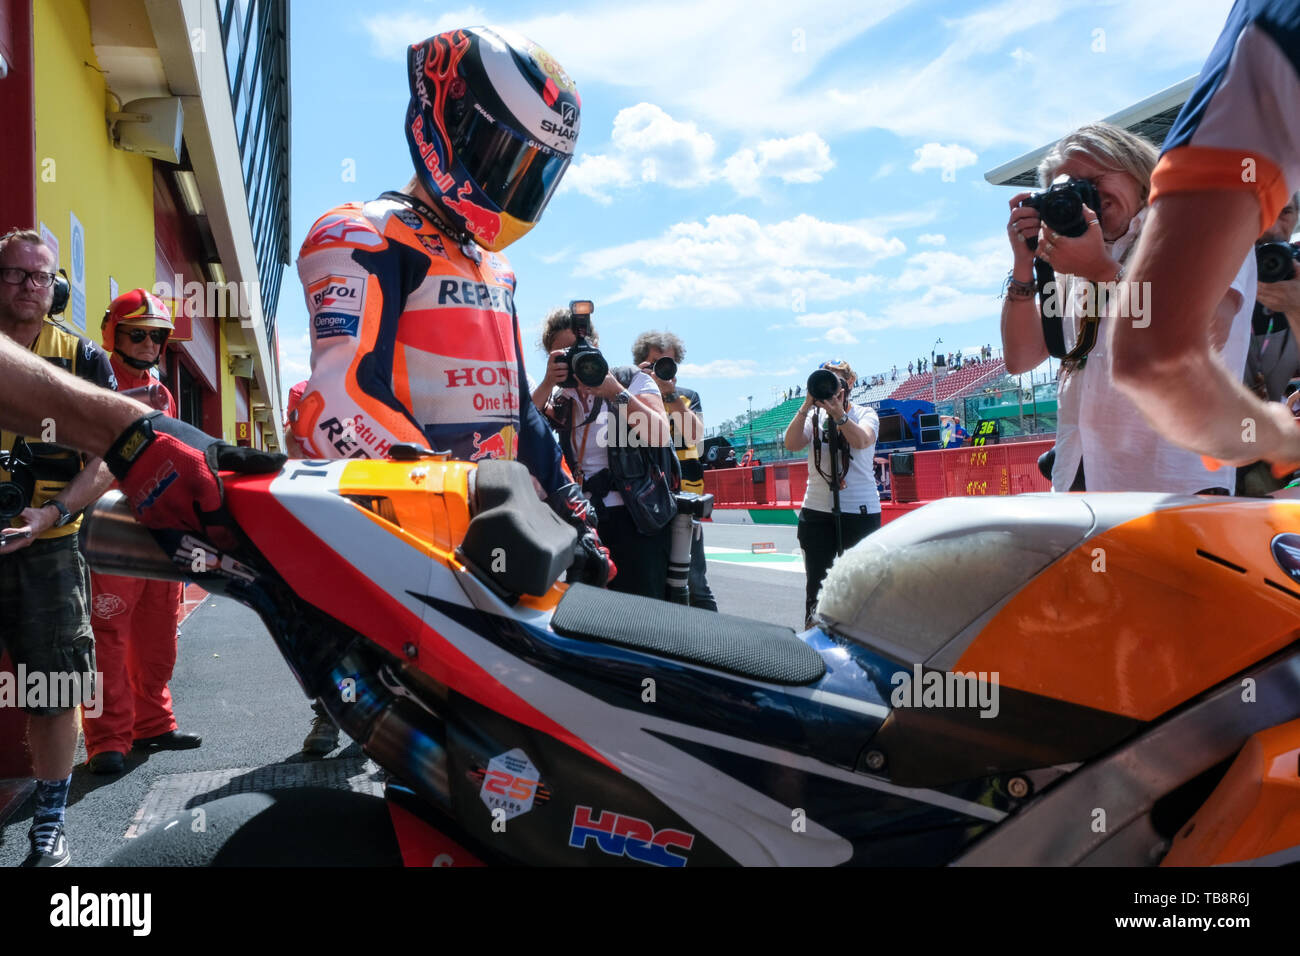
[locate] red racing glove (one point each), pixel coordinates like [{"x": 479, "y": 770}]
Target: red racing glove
[
  {"x": 168, "y": 470},
  {"x": 593, "y": 565}
]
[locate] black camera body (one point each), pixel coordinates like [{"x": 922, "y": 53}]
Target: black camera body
[
  {"x": 1276, "y": 260},
  {"x": 586, "y": 365},
  {"x": 16, "y": 493},
  {"x": 823, "y": 385},
  {"x": 1060, "y": 206}
]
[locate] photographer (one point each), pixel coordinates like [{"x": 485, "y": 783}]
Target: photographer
[
  {"x": 1104, "y": 443},
  {"x": 1274, "y": 358},
  {"x": 857, "y": 427},
  {"x": 684, "y": 418},
  {"x": 586, "y": 429}
]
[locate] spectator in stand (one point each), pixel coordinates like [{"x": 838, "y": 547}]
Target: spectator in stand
[
  {"x": 135, "y": 620},
  {"x": 1104, "y": 443},
  {"x": 858, "y": 426},
  {"x": 909, "y": 369}
]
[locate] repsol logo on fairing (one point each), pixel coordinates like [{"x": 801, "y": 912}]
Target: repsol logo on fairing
[
  {"x": 458, "y": 292},
  {"x": 550, "y": 126},
  {"x": 485, "y": 375}
]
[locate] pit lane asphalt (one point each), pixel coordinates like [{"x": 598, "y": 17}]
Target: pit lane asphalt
[{"x": 232, "y": 686}]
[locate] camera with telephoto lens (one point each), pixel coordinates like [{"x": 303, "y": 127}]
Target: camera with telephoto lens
[
  {"x": 824, "y": 385},
  {"x": 1276, "y": 260},
  {"x": 664, "y": 368},
  {"x": 16, "y": 493},
  {"x": 586, "y": 365},
  {"x": 1060, "y": 206}
]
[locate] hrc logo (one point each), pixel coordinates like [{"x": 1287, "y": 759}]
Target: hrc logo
[{"x": 618, "y": 835}]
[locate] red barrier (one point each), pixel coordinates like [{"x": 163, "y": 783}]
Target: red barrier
[{"x": 1010, "y": 469}]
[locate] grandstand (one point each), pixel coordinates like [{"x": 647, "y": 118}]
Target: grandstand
[
  {"x": 949, "y": 386},
  {"x": 952, "y": 388}
]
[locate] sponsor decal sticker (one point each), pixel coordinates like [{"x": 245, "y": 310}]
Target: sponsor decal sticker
[
  {"x": 337, "y": 229},
  {"x": 337, "y": 293},
  {"x": 412, "y": 219},
  {"x": 1286, "y": 552},
  {"x": 433, "y": 245},
  {"x": 510, "y": 783},
  {"x": 619, "y": 835},
  {"x": 328, "y": 325}
]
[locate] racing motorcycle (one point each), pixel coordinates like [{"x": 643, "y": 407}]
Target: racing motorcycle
[{"x": 1039, "y": 679}]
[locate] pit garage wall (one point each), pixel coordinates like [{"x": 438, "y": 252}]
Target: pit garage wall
[{"x": 77, "y": 170}]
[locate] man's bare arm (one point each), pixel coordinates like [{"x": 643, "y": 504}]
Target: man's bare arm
[
  {"x": 33, "y": 391},
  {"x": 1167, "y": 367}
]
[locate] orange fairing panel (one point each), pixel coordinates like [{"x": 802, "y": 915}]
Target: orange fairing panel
[
  {"x": 428, "y": 497},
  {"x": 1135, "y": 621},
  {"x": 1255, "y": 810}
]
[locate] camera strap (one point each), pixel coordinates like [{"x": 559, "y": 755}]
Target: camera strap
[{"x": 1054, "y": 325}]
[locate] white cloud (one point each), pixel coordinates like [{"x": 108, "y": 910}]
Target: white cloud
[
  {"x": 983, "y": 269},
  {"x": 796, "y": 159},
  {"x": 758, "y": 80},
  {"x": 594, "y": 175},
  {"x": 947, "y": 158},
  {"x": 733, "y": 261},
  {"x": 669, "y": 152},
  {"x": 841, "y": 336},
  {"x": 932, "y": 239}
]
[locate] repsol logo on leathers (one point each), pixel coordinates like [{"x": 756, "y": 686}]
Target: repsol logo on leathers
[{"x": 459, "y": 292}]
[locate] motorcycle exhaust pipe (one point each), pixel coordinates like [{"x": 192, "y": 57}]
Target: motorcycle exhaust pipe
[{"x": 113, "y": 542}]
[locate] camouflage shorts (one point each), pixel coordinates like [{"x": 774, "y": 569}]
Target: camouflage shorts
[{"x": 45, "y": 616}]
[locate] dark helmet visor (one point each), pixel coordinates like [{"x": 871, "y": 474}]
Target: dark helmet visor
[{"x": 517, "y": 174}]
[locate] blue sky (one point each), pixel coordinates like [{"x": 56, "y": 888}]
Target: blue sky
[{"x": 778, "y": 183}]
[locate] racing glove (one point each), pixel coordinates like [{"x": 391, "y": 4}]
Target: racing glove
[
  {"x": 168, "y": 470},
  {"x": 592, "y": 564}
]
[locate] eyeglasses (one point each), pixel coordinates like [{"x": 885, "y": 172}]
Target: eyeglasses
[
  {"x": 159, "y": 336},
  {"x": 15, "y": 276}
]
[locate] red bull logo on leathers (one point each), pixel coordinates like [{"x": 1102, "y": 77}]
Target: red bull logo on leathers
[{"x": 503, "y": 444}]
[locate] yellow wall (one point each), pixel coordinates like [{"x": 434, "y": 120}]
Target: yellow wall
[
  {"x": 110, "y": 191},
  {"x": 227, "y": 386}
]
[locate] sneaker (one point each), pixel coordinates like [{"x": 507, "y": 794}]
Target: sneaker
[
  {"x": 322, "y": 738},
  {"x": 49, "y": 845}
]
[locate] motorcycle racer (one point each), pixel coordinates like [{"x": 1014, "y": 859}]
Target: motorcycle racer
[{"x": 413, "y": 326}]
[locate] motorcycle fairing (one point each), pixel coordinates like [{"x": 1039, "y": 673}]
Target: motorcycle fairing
[{"x": 1253, "y": 816}]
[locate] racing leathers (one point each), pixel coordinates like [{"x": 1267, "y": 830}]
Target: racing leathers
[
  {"x": 135, "y": 622},
  {"x": 415, "y": 339}
]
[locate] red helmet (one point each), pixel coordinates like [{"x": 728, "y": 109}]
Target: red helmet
[
  {"x": 492, "y": 126},
  {"x": 138, "y": 308}
]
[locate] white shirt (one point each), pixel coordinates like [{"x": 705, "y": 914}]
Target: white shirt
[
  {"x": 591, "y": 441},
  {"x": 860, "y": 480},
  {"x": 1121, "y": 451},
  {"x": 1095, "y": 421}
]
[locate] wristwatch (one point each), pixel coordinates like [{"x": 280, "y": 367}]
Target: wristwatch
[
  {"x": 841, "y": 421},
  {"x": 64, "y": 514},
  {"x": 623, "y": 397}
]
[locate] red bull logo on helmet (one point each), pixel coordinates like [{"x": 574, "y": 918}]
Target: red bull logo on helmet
[
  {"x": 504, "y": 444},
  {"x": 480, "y": 222}
]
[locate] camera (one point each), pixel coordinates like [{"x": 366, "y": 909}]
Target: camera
[
  {"x": 824, "y": 385},
  {"x": 1275, "y": 260},
  {"x": 664, "y": 368},
  {"x": 1060, "y": 206},
  {"x": 586, "y": 365},
  {"x": 16, "y": 493}
]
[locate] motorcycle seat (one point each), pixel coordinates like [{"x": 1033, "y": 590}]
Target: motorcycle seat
[
  {"x": 737, "y": 645},
  {"x": 515, "y": 541}
]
